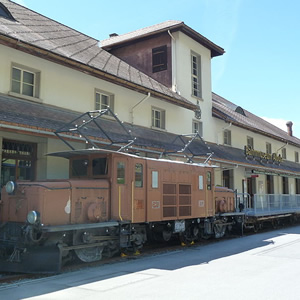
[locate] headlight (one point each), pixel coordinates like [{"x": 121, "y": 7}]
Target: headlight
[
  {"x": 33, "y": 217},
  {"x": 10, "y": 187}
]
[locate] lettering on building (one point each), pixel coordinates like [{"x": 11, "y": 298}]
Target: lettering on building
[{"x": 249, "y": 152}]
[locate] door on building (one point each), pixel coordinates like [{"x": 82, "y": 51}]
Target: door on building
[
  {"x": 285, "y": 185},
  {"x": 270, "y": 184},
  {"x": 297, "y": 185},
  {"x": 18, "y": 161},
  {"x": 228, "y": 179},
  {"x": 251, "y": 190}
]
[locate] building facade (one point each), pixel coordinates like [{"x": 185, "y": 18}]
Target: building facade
[{"x": 157, "y": 80}]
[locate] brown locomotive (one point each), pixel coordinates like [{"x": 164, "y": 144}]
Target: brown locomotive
[{"x": 112, "y": 202}]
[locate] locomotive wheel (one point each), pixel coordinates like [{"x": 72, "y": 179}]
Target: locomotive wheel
[
  {"x": 257, "y": 226},
  {"x": 190, "y": 235},
  {"x": 219, "y": 230},
  {"x": 275, "y": 223},
  {"x": 88, "y": 254},
  {"x": 167, "y": 235}
]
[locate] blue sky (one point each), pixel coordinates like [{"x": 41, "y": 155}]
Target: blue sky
[{"x": 260, "y": 70}]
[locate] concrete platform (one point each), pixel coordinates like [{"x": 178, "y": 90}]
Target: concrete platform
[{"x": 262, "y": 266}]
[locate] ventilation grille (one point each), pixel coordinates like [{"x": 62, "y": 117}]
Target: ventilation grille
[{"x": 176, "y": 200}]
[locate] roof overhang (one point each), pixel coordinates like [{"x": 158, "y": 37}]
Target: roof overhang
[{"x": 215, "y": 49}]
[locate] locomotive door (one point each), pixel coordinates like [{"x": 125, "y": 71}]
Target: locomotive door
[
  {"x": 121, "y": 189},
  {"x": 209, "y": 193},
  {"x": 138, "y": 191}
]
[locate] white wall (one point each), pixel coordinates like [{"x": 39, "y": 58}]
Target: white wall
[
  {"x": 184, "y": 46},
  {"x": 64, "y": 87}
]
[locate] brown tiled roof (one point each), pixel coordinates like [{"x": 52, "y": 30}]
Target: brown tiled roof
[
  {"x": 228, "y": 111},
  {"x": 72, "y": 47},
  {"x": 37, "y": 118},
  {"x": 162, "y": 27}
]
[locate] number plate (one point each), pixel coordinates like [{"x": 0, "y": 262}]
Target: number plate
[{"x": 179, "y": 226}]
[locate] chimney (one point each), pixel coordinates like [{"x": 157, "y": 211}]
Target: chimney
[
  {"x": 289, "y": 126},
  {"x": 113, "y": 35}
]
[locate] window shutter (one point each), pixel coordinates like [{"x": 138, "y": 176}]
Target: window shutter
[
  {"x": 112, "y": 103},
  {"x": 163, "y": 119}
]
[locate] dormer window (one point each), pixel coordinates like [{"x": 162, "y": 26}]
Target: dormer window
[
  {"x": 240, "y": 111},
  {"x": 4, "y": 13}
]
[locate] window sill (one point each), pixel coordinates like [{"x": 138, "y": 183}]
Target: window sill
[
  {"x": 198, "y": 98},
  {"x": 105, "y": 116},
  {"x": 159, "y": 129},
  {"x": 29, "y": 98}
]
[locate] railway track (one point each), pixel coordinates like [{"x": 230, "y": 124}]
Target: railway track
[{"x": 148, "y": 250}]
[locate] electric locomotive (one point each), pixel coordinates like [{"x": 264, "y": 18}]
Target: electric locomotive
[{"x": 112, "y": 202}]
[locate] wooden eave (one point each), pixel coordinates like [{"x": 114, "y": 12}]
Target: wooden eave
[
  {"x": 70, "y": 63},
  {"x": 215, "y": 49}
]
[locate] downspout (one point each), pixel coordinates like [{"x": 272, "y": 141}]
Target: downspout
[
  {"x": 281, "y": 147},
  {"x": 144, "y": 99},
  {"x": 174, "y": 80}
]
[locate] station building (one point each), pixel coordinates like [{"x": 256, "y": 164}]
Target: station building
[{"x": 158, "y": 82}]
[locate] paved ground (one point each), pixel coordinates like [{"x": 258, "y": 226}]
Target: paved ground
[{"x": 263, "y": 266}]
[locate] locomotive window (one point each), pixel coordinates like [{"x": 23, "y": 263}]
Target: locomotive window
[
  {"x": 155, "y": 179},
  {"x": 120, "y": 173},
  {"x": 200, "y": 182},
  {"x": 79, "y": 167},
  {"x": 138, "y": 175},
  {"x": 100, "y": 166},
  {"x": 208, "y": 180}
]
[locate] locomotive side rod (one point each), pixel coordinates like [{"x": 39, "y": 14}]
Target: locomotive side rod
[
  {"x": 81, "y": 246},
  {"x": 59, "y": 228}
]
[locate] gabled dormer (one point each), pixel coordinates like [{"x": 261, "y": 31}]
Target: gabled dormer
[{"x": 157, "y": 51}]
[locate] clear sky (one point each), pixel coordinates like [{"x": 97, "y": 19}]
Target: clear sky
[{"x": 260, "y": 70}]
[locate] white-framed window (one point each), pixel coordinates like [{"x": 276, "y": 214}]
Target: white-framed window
[
  {"x": 283, "y": 153},
  {"x": 250, "y": 142},
  {"x": 25, "y": 81},
  {"x": 196, "y": 75},
  {"x": 103, "y": 100},
  {"x": 158, "y": 118},
  {"x": 227, "y": 137},
  {"x": 268, "y": 148},
  {"x": 296, "y": 156},
  {"x": 198, "y": 127}
]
